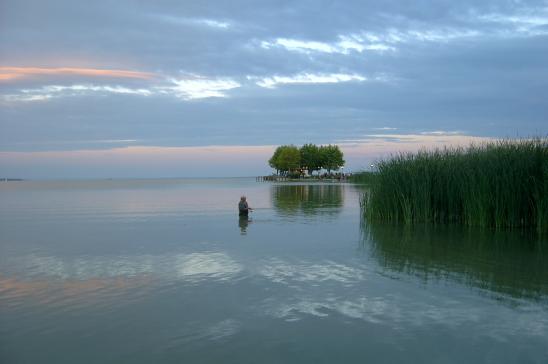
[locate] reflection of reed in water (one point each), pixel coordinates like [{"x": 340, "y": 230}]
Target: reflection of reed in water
[
  {"x": 311, "y": 199},
  {"x": 507, "y": 263}
]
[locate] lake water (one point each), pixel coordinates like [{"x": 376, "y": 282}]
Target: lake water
[{"x": 164, "y": 271}]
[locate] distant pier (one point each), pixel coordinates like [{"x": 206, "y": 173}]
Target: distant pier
[
  {"x": 323, "y": 178},
  {"x": 272, "y": 179}
]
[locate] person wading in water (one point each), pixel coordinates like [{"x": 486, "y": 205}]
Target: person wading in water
[{"x": 243, "y": 207}]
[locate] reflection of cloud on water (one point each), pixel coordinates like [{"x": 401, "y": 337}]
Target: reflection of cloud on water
[
  {"x": 192, "y": 267},
  {"x": 217, "y": 266},
  {"x": 280, "y": 271},
  {"x": 196, "y": 332},
  {"x": 363, "y": 308},
  {"x": 222, "y": 329},
  {"x": 344, "y": 290},
  {"x": 72, "y": 292},
  {"x": 86, "y": 268},
  {"x": 401, "y": 312}
]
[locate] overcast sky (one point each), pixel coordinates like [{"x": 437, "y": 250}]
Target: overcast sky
[{"x": 202, "y": 88}]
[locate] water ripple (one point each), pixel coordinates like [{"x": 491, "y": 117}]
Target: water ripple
[{"x": 280, "y": 271}]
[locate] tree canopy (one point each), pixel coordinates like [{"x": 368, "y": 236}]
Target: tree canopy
[
  {"x": 331, "y": 157},
  {"x": 310, "y": 157},
  {"x": 289, "y": 158},
  {"x": 286, "y": 158}
]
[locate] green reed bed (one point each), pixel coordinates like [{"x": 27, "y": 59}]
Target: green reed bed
[
  {"x": 362, "y": 177},
  {"x": 503, "y": 184}
]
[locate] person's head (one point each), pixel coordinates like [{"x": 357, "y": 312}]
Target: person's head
[{"x": 242, "y": 198}]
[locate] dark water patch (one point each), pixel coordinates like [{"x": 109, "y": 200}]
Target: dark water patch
[{"x": 507, "y": 263}]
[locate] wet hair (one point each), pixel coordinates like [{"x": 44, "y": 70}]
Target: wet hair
[{"x": 242, "y": 198}]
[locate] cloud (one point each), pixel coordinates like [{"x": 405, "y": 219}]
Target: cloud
[
  {"x": 442, "y": 132},
  {"x": 199, "y": 88},
  {"x": 442, "y": 35},
  {"x": 345, "y": 45},
  {"x": 53, "y": 91},
  {"x": 77, "y": 142},
  {"x": 191, "y": 88},
  {"x": 468, "y": 65},
  {"x": 379, "y": 42},
  {"x": 214, "y": 160},
  {"x": 361, "y": 152},
  {"x": 9, "y": 76},
  {"x": 185, "y": 89},
  {"x": 528, "y": 23},
  {"x": 379, "y": 145},
  {"x": 502, "y": 26},
  {"x": 26, "y": 97},
  {"x": 385, "y": 128},
  {"x": 14, "y": 73},
  {"x": 309, "y": 78},
  {"x": 212, "y": 23},
  {"x": 300, "y": 46},
  {"x": 138, "y": 160}
]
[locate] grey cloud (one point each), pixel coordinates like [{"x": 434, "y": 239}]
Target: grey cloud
[{"x": 476, "y": 67}]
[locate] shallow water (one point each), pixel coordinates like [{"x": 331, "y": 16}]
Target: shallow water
[{"x": 146, "y": 271}]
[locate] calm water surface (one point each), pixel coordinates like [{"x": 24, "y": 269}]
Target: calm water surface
[{"x": 164, "y": 271}]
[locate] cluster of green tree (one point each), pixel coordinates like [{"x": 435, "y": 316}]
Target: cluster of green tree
[{"x": 290, "y": 159}]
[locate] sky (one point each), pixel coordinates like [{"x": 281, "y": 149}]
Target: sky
[{"x": 115, "y": 89}]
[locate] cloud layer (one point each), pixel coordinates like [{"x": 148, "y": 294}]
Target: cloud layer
[{"x": 183, "y": 74}]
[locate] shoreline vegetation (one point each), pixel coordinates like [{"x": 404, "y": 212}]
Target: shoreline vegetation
[
  {"x": 499, "y": 185},
  {"x": 325, "y": 177},
  {"x": 294, "y": 163}
]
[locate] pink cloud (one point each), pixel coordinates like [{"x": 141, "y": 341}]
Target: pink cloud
[
  {"x": 15, "y": 73},
  {"x": 155, "y": 161}
]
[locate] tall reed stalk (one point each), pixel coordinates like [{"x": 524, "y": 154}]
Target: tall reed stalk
[{"x": 503, "y": 184}]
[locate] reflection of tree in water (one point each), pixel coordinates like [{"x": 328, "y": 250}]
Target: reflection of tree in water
[
  {"x": 310, "y": 199},
  {"x": 510, "y": 263}
]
